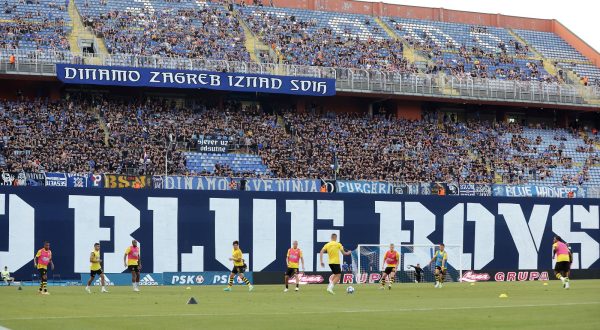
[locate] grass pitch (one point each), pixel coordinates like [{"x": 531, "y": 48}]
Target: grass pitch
[{"x": 417, "y": 306}]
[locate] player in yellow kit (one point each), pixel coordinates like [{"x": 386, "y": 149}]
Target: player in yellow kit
[
  {"x": 95, "y": 268},
  {"x": 239, "y": 267},
  {"x": 333, "y": 249}
]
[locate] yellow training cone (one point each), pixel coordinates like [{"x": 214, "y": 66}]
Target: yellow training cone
[
  {"x": 504, "y": 295},
  {"x": 545, "y": 283}
]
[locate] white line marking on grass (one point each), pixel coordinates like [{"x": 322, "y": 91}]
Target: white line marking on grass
[
  {"x": 3, "y": 328},
  {"x": 425, "y": 309}
]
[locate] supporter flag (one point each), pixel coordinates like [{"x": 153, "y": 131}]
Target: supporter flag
[{"x": 145, "y": 158}]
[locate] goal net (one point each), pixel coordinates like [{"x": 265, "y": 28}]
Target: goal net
[{"x": 367, "y": 263}]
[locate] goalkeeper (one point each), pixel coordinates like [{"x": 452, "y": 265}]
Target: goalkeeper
[{"x": 418, "y": 272}]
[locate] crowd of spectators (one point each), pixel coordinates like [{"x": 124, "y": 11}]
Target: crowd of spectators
[
  {"x": 207, "y": 32},
  {"x": 306, "y": 42},
  {"x": 125, "y": 136},
  {"x": 34, "y": 29}
]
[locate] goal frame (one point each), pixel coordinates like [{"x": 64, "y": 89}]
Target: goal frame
[{"x": 398, "y": 247}]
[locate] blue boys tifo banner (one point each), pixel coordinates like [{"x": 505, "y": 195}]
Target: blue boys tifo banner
[
  {"x": 193, "y": 230},
  {"x": 169, "y": 78}
]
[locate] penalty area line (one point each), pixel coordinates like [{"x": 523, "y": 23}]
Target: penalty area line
[{"x": 398, "y": 310}]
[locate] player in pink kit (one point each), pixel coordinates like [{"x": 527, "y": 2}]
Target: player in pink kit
[
  {"x": 390, "y": 261},
  {"x": 564, "y": 258}
]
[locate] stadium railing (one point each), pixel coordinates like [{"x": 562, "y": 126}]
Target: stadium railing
[{"x": 347, "y": 79}]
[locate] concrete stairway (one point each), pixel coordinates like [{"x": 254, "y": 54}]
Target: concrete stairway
[
  {"x": 548, "y": 64},
  {"x": 253, "y": 44},
  {"x": 80, "y": 32}
]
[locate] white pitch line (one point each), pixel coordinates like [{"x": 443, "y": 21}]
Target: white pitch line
[{"x": 425, "y": 309}]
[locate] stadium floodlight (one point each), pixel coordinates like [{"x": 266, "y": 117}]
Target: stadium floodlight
[{"x": 367, "y": 260}]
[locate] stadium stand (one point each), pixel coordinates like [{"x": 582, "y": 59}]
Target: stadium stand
[
  {"x": 328, "y": 39},
  {"x": 467, "y": 50},
  {"x": 188, "y": 29},
  {"x": 125, "y": 136},
  {"x": 35, "y": 25},
  {"x": 132, "y": 135},
  {"x": 556, "y": 49},
  {"x": 34, "y": 28}
]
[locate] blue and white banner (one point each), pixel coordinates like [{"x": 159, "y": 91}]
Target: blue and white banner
[
  {"x": 192, "y": 231},
  {"x": 500, "y": 190},
  {"x": 221, "y": 183},
  {"x": 472, "y": 189},
  {"x": 56, "y": 179},
  {"x": 148, "y": 279},
  {"x": 363, "y": 187},
  {"x": 202, "y": 278},
  {"x": 84, "y": 180},
  {"x": 169, "y": 78}
]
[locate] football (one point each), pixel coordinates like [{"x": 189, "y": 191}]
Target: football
[{"x": 350, "y": 290}]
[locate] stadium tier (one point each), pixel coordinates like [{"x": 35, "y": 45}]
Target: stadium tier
[
  {"x": 189, "y": 29},
  {"x": 124, "y": 136}
]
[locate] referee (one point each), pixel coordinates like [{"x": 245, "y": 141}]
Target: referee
[{"x": 418, "y": 272}]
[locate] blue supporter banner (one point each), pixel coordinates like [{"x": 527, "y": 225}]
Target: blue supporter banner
[
  {"x": 169, "y": 78},
  {"x": 221, "y": 183},
  {"x": 83, "y": 180},
  {"x": 56, "y": 179},
  {"x": 501, "y": 190},
  {"x": 363, "y": 187}
]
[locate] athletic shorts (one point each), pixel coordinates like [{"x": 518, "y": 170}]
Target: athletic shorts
[
  {"x": 562, "y": 266},
  {"x": 291, "y": 272},
  {"x": 42, "y": 271},
  {"x": 95, "y": 272},
  {"x": 238, "y": 269},
  {"x": 134, "y": 268},
  {"x": 388, "y": 270},
  {"x": 441, "y": 269},
  {"x": 335, "y": 269}
]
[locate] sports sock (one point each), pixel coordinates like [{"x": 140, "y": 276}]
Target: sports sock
[
  {"x": 44, "y": 285},
  {"x": 392, "y": 278},
  {"x": 246, "y": 281},
  {"x": 382, "y": 281},
  {"x": 230, "y": 284}
]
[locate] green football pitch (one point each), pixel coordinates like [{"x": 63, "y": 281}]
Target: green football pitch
[{"x": 529, "y": 305}]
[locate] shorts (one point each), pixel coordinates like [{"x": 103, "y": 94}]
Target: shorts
[
  {"x": 441, "y": 269},
  {"x": 335, "y": 269},
  {"x": 95, "y": 272},
  {"x": 389, "y": 270},
  {"x": 291, "y": 272},
  {"x": 238, "y": 269},
  {"x": 562, "y": 266},
  {"x": 42, "y": 271},
  {"x": 134, "y": 268}
]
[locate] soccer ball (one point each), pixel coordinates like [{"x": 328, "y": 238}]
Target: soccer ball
[{"x": 349, "y": 290}]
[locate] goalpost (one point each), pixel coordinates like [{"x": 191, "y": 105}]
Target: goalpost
[{"x": 367, "y": 260}]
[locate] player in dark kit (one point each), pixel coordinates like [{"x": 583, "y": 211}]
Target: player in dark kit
[{"x": 418, "y": 272}]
